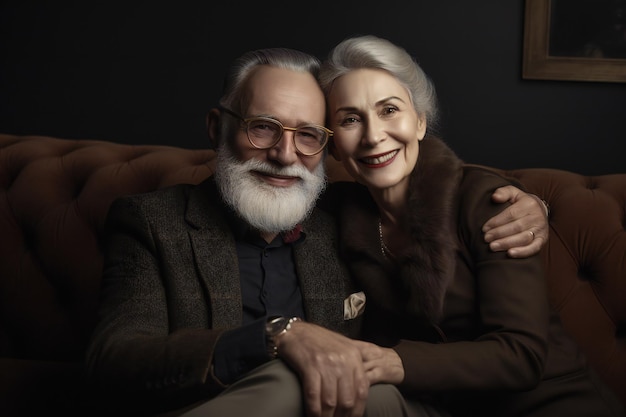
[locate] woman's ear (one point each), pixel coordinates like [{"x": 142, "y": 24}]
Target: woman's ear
[
  {"x": 421, "y": 127},
  {"x": 213, "y": 122},
  {"x": 332, "y": 149}
]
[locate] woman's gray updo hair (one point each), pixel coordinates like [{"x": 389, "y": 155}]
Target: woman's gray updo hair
[{"x": 376, "y": 53}]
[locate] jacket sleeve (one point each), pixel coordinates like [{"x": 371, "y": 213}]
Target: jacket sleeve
[
  {"x": 136, "y": 349},
  {"x": 497, "y": 339}
]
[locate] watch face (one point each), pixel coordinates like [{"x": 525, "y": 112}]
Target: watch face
[{"x": 276, "y": 325}]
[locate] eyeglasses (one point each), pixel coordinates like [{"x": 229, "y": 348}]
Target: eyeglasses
[{"x": 265, "y": 132}]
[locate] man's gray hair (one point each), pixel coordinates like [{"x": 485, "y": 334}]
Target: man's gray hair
[{"x": 234, "y": 89}]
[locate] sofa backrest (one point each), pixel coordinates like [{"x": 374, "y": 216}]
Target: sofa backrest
[
  {"x": 55, "y": 193},
  {"x": 54, "y": 196}
]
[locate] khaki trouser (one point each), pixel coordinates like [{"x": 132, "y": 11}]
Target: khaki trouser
[{"x": 273, "y": 390}]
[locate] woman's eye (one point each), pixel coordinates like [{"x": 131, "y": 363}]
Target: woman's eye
[{"x": 389, "y": 110}]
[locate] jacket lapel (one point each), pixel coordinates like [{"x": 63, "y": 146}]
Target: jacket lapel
[
  {"x": 324, "y": 281},
  {"x": 215, "y": 255}
]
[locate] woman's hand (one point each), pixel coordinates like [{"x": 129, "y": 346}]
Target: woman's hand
[{"x": 381, "y": 364}]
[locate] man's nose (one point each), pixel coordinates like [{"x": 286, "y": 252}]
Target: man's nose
[{"x": 284, "y": 152}]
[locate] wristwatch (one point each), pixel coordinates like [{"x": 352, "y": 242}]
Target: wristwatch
[{"x": 274, "y": 328}]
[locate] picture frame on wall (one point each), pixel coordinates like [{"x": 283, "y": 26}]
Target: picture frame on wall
[{"x": 575, "y": 40}]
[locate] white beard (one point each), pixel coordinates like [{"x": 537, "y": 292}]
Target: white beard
[{"x": 265, "y": 207}]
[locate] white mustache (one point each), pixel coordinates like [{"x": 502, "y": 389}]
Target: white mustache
[
  {"x": 265, "y": 207},
  {"x": 291, "y": 171}
]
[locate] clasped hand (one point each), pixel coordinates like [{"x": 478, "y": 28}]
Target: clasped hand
[{"x": 335, "y": 371}]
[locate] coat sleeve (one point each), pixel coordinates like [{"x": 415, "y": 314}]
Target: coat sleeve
[
  {"x": 499, "y": 341},
  {"x": 135, "y": 349}
]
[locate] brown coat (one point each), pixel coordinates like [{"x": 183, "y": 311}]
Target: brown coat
[{"x": 473, "y": 327}]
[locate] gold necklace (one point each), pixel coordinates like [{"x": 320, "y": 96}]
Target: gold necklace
[{"x": 383, "y": 248}]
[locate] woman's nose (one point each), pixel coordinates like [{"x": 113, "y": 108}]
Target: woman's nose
[{"x": 374, "y": 133}]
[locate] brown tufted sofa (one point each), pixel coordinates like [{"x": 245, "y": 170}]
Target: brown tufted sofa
[{"x": 54, "y": 196}]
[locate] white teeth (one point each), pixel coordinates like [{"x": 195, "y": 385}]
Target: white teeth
[{"x": 380, "y": 159}]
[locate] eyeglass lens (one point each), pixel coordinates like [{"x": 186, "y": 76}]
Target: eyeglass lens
[{"x": 264, "y": 133}]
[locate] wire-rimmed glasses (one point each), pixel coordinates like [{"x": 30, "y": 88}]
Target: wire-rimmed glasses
[{"x": 265, "y": 132}]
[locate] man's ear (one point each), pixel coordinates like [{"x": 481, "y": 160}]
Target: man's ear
[
  {"x": 332, "y": 149},
  {"x": 213, "y": 123}
]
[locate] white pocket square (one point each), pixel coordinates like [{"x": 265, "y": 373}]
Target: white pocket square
[{"x": 354, "y": 305}]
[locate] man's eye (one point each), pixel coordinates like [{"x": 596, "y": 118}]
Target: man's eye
[{"x": 262, "y": 126}]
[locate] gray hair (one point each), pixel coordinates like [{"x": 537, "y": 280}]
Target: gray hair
[
  {"x": 234, "y": 92},
  {"x": 376, "y": 53}
]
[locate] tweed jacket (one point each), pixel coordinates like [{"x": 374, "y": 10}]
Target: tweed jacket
[
  {"x": 473, "y": 327},
  {"x": 171, "y": 286}
]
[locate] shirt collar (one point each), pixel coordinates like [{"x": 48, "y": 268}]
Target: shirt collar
[{"x": 242, "y": 230}]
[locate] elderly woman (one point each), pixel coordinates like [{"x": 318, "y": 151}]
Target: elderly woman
[{"x": 462, "y": 326}]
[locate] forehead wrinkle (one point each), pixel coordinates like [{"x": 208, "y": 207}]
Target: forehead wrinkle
[
  {"x": 378, "y": 103},
  {"x": 387, "y": 99},
  {"x": 285, "y": 95}
]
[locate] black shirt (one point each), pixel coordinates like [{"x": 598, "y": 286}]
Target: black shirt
[{"x": 269, "y": 286}]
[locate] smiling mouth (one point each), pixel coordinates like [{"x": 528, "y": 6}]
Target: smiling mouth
[
  {"x": 276, "y": 179},
  {"x": 267, "y": 174},
  {"x": 382, "y": 159}
]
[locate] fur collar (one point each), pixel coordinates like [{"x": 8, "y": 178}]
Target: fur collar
[
  {"x": 424, "y": 269},
  {"x": 428, "y": 266}
]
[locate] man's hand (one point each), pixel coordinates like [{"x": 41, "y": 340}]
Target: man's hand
[
  {"x": 522, "y": 228},
  {"x": 330, "y": 367}
]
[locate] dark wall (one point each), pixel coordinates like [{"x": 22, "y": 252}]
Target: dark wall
[{"x": 147, "y": 72}]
